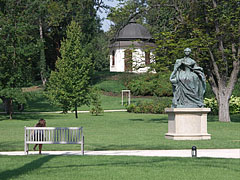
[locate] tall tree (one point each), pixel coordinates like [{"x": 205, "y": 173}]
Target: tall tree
[
  {"x": 69, "y": 84},
  {"x": 59, "y": 15},
  {"x": 212, "y": 29},
  {"x": 18, "y": 51}
]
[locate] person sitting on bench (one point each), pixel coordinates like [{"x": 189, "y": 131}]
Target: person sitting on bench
[{"x": 38, "y": 135}]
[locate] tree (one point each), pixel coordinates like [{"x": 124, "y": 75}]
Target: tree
[
  {"x": 212, "y": 30},
  {"x": 18, "y": 51},
  {"x": 124, "y": 12},
  {"x": 69, "y": 84},
  {"x": 57, "y": 15}
]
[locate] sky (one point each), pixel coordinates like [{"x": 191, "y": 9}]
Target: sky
[{"x": 106, "y": 23}]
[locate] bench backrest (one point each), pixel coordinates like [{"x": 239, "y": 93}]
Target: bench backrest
[{"x": 54, "y": 135}]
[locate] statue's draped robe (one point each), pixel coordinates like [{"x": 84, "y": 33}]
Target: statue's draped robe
[{"x": 189, "y": 84}]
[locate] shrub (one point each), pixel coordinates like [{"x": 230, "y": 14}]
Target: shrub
[
  {"x": 96, "y": 102},
  {"x": 211, "y": 103},
  {"x": 234, "y": 105},
  {"x": 236, "y": 91},
  {"x": 151, "y": 85},
  {"x": 156, "y": 106}
]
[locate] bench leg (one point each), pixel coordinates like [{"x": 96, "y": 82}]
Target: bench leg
[
  {"x": 82, "y": 145},
  {"x": 26, "y": 148}
]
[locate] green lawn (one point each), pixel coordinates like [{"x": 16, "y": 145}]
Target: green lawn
[
  {"x": 40, "y": 103},
  {"x": 116, "y": 167},
  {"x": 117, "y": 131}
]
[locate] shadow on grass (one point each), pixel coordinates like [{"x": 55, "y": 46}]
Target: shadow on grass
[
  {"x": 166, "y": 162},
  {"x": 3, "y": 117},
  {"x": 136, "y": 119},
  {"x": 98, "y": 147},
  {"x": 157, "y": 120},
  {"x": 234, "y": 118},
  {"x": 28, "y": 116},
  {"x": 113, "y": 162},
  {"x": 8, "y": 145},
  {"x": 27, "y": 168}
]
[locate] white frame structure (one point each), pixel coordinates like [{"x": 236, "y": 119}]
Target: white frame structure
[
  {"x": 53, "y": 135},
  {"x": 129, "y": 96}
]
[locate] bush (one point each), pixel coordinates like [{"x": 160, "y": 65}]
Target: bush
[
  {"x": 236, "y": 91},
  {"x": 96, "y": 102},
  {"x": 156, "y": 107},
  {"x": 211, "y": 103},
  {"x": 234, "y": 105},
  {"x": 151, "y": 85}
]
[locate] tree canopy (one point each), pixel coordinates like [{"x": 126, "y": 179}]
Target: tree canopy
[
  {"x": 31, "y": 32},
  {"x": 210, "y": 28},
  {"x": 69, "y": 84},
  {"x": 18, "y": 51}
]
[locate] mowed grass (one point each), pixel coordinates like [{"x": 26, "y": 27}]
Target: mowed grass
[
  {"x": 117, "y": 131},
  {"x": 116, "y": 167},
  {"x": 39, "y": 103}
]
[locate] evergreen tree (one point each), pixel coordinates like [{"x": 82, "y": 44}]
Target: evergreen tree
[{"x": 69, "y": 84}]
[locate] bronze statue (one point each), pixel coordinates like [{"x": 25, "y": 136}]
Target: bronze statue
[{"x": 188, "y": 82}]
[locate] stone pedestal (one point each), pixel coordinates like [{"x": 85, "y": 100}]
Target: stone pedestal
[{"x": 187, "y": 123}]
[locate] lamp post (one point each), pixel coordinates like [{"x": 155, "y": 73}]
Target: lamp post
[{"x": 194, "y": 151}]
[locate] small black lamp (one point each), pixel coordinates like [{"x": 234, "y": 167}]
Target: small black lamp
[{"x": 194, "y": 151}]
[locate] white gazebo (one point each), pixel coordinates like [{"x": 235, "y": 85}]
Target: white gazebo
[{"x": 131, "y": 49}]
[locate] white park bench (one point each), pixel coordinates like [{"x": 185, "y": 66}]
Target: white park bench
[{"x": 53, "y": 135}]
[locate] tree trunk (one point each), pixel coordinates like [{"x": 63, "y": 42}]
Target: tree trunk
[
  {"x": 8, "y": 106},
  {"x": 76, "y": 114},
  {"x": 42, "y": 55},
  {"x": 223, "y": 104}
]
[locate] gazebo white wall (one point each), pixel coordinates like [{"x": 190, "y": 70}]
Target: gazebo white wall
[
  {"x": 136, "y": 38},
  {"x": 138, "y": 58}
]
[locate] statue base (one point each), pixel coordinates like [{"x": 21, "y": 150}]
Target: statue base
[{"x": 187, "y": 123}]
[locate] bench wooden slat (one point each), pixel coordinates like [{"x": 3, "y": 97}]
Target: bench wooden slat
[{"x": 53, "y": 135}]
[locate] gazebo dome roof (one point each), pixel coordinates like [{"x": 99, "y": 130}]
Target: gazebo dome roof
[{"x": 133, "y": 31}]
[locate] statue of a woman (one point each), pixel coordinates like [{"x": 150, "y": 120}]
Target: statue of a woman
[{"x": 188, "y": 82}]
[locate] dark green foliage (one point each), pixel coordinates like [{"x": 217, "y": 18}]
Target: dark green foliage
[
  {"x": 124, "y": 12},
  {"x": 209, "y": 93},
  {"x": 211, "y": 30},
  {"x": 96, "y": 102},
  {"x": 18, "y": 51},
  {"x": 99, "y": 45},
  {"x": 151, "y": 85},
  {"x": 236, "y": 91},
  {"x": 69, "y": 85},
  {"x": 156, "y": 106}
]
